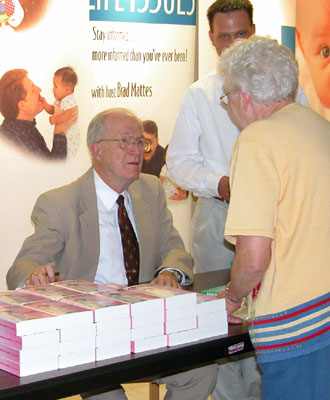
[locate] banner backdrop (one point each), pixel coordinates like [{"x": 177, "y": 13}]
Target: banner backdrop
[
  {"x": 137, "y": 54},
  {"x": 313, "y": 52}
]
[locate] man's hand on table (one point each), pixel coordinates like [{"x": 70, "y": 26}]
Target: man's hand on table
[
  {"x": 166, "y": 278},
  {"x": 43, "y": 275}
]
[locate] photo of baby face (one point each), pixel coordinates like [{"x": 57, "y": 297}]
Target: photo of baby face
[{"x": 313, "y": 35}]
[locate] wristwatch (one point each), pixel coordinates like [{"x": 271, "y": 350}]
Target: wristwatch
[{"x": 178, "y": 274}]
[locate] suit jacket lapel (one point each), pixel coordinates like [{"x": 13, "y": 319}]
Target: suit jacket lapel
[{"x": 89, "y": 223}]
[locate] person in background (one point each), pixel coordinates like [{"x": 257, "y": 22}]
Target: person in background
[
  {"x": 279, "y": 219},
  {"x": 78, "y": 233},
  {"x": 65, "y": 106},
  {"x": 20, "y": 103},
  {"x": 153, "y": 159},
  {"x": 172, "y": 191},
  {"x": 198, "y": 160}
]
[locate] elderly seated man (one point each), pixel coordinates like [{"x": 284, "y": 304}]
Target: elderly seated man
[
  {"x": 78, "y": 233},
  {"x": 279, "y": 219}
]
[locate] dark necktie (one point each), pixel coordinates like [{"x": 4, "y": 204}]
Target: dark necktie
[{"x": 129, "y": 243}]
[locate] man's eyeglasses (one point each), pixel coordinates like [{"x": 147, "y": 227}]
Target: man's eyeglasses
[
  {"x": 223, "y": 101},
  {"x": 129, "y": 141}
]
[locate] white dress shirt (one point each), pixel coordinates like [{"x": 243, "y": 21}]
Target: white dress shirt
[
  {"x": 111, "y": 261},
  {"x": 199, "y": 153}
]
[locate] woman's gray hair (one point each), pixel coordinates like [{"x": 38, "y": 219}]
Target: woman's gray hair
[
  {"x": 264, "y": 69},
  {"x": 96, "y": 128}
]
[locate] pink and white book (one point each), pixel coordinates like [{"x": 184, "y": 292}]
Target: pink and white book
[
  {"x": 212, "y": 318},
  {"x": 77, "y": 332},
  {"x": 173, "y": 314},
  {"x": 173, "y": 297},
  {"x": 109, "y": 327},
  {"x": 104, "y": 308},
  {"x": 110, "y": 286},
  {"x": 50, "y": 291},
  {"x": 108, "y": 340},
  {"x": 144, "y": 320},
  {"x": 183, "y": 337},
  {"x": 77, "y": 358},
  {"x": 83, "y": 286},
  {"x": 15, "y": 297},
  {"x": 29, "y": 355},
  {"x": 65, "y": 314},
  {"x": 147, "y": 331},
  {"x": 140, "y": 303},
  {"x": 207, "y": 304},
  {"x": 19, "y": 320},
  {"x": 220, "y": 328},
  {"x": 156, "y": 342},
  {"x": 114, "y": 350},
  {"x": 76, "y": 345},
  {"x": 36, "y": 366},
  {"x": 180, "y": 325},
  {"x": 29, "y": 341}
]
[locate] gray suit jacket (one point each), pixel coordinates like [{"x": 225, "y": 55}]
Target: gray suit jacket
[{"x": 67, "y": 232}]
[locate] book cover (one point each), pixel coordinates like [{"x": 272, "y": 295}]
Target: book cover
[
  {"x": 104, "y": 308},
  {"x": 140, "y": 303},
  {"x": 12, "y": 297},
  {"x": 65, "y": 314},
  {"x": 50, "y": 291},
  {"x": 214, "y": 291},
  {"x": 173, "y": 297},
  {"x": 83, "y": 286},
  {"x": 20, "y": 320}
]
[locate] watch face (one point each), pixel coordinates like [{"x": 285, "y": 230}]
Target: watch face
[{"x": 178, "y": 276}]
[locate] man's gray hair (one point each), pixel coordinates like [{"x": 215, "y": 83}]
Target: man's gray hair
[
  {"x": 96, "y": 128},
  {"x": 264, "y": 69}
]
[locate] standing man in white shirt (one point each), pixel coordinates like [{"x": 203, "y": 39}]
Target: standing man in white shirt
[{"x": 198, "y": 160}]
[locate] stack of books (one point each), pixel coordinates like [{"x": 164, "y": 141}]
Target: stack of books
[
  {"x": 146, "y": 318},
  {"x": 180, "y": 310},
  {"x": 28, "y": 341},
  {"x": 211, "y": 316},
  {"x": 70, "y": 320},
  {"x": 68, "y": 323},
  {"x": 111, "y": 321}
]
